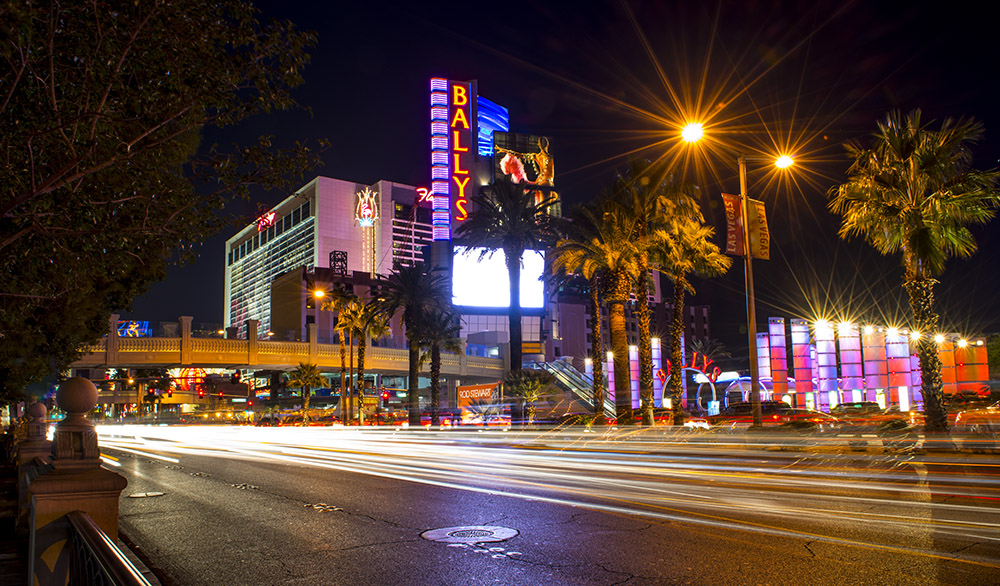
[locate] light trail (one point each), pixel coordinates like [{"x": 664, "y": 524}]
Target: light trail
[{"x": 696, "y": 479}]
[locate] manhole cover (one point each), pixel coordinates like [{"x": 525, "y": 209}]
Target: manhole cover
[
  {"x": 142, "y": 495},
  {"x": 469, "y": 534}
]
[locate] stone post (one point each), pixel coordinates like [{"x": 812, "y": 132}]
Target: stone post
[
  {"x": 186, "y": 349},
  {"x": 34, "y": 446},
  {"x": 252, "y": 342},
  {"x": 73, "y": 481},
  {"x": 111, "y": 347}
]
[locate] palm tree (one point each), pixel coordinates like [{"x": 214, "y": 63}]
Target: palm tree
[
  {"x": 337, "y": 300},
  {"x": 529, "y": 385},
  {"x": 652, "y": 200},
  {"x": 439, "y": 331},
  {"x": 913, "y": 192},
  {"x": 509, "y": 219},
  {"x": 610, "y": 251},
  {"x": 349, "y": 320},
  {"x": 417, "y": 290},
  {"x": 685, "y": 247},
  {"x": 305, "y": 376},
  {"x": 562, "y": 261},
  {"x": 370, "y": 323}
]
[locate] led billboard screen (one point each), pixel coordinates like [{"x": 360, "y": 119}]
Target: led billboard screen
[
  {"x": 523, "y": 158},
  {"x": 485, "y": 283}
]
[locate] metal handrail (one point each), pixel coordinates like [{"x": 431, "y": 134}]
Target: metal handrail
[{"x": 96, "y": 559}]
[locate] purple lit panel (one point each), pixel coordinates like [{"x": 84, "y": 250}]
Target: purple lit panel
[
  {"x": 897, "y": 354},
  {"x": 633, "y": 372},
  {"x": 779, "y": 355},
  {"x": 801, "y": 360},
  {"x": 657, "y": 365},
  {"x": 763, "y": 356},
  {"x": 852, "y": 376},
  {"x": 873, "y": 354}
]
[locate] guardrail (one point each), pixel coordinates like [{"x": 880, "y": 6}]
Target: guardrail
[{"x": 95, "y": 559}]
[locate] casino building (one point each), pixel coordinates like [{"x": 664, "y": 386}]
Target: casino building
[{"x": 338, "y": 231}]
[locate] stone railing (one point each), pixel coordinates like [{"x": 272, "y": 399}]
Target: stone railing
[
  {"x": 264, "y": 354},
  {"x": 284, "y": 348}
]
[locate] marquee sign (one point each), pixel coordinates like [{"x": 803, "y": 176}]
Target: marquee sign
[
  {"x": 451, "y": 153},
  {"x": 705, "y": 367},
  {"x": 367, "y": 209},
  {"x": 265, "y": 221}
]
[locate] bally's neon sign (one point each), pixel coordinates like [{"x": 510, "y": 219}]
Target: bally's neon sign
[
  {"x": 265, "y": 221},
  {"x": 460, "y": 147}
]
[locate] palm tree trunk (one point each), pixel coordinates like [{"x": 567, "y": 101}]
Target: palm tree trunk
[
  {"x": 435, "y": 383},
  {"x": 921, "y": 293},
  {"x": 350, "y": 371},
  {"x": 305, "y": 404},
  {"x": 412, "y": 400},
  {"x": 343, "y": 377},
  {"x": 619, "y": 349},
  {"x": 645, "y": 346},
  {"x": 676, "y": 351},
  {"x": 362, "y": 346},
  {"x": 597, "y": 353},
  {"x": 514, "y": 312}
]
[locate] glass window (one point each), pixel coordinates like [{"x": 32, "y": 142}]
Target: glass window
[
  {"x": 295, "y": 216},
  {"x": 286, "y": 222},
  {"x": 305, "y": 210},
  {"x": 230, "y": 257}
]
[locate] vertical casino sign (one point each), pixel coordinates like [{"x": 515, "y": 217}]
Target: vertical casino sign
[{"x": 452, "y": 151}]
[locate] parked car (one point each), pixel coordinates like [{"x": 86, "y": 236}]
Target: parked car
[
  {"x": 324, "y": 420},
  {"x": 871, "y": 413},
  {"x": 979, "y": 419},
  {"x": 773, "y": 413}
]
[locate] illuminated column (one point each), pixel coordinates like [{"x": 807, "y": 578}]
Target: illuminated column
[
  {"x": 633, "y": 374},
  {"x": 946, "y": 352},
  {"x": 873, "y": 353},
  {"x": 972, "y": 370},
  {"x": 440, "y": 164},
  {"x": 826, "y": 362},
  {"x": 897, "y": 354},
  {"x": 609, "y": 368},
  {"x": 801, "y": 362},
  {"x": 917, "y": 393},
  {"x": 852, "y": 379},
  {"x": 657, "y": 365},
  {"x": 588, "y": 367},
  {"x": 779, "y": 356},
  {"x": 763, "y": 361}
]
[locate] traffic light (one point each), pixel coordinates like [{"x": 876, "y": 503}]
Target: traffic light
[
  {"x": 385, "y": 398},
  {"x": 235, "y": 378},
  {"x": 170, "y": 393},
  {"x": 201, "y": 393},
  {"x": 249, "y": 403},
  {"x": 149, "y": 392},
  {"x": 220, "y": 394}
]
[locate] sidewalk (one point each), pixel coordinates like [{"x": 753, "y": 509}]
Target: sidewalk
[{"x": 13, "y": 549}]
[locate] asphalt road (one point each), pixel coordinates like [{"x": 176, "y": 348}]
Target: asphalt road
[{"x": 342, "y": 506}]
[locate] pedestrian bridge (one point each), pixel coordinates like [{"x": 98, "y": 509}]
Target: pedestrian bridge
[{"x": 186, "y": 351}]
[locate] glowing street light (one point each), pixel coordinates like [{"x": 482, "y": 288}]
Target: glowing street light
[
  {"x": 939, "y": 338},
  {"x": 692, "y": 132},
  {"x": 319, "y": 293}
]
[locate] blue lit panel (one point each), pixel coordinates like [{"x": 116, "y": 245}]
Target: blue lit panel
[{"x": 492, "y": 117}]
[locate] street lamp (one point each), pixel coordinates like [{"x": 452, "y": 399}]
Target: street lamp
[
  {"x": 692, "y": 133},
  {"x": 781, "y": 162}
]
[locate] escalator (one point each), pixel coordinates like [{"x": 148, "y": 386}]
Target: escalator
[{"x": 576, "y": 382}]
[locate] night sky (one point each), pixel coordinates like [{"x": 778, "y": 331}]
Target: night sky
[{"x": 609, "y": 80}]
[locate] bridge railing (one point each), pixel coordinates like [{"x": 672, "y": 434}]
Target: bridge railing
[{"x": 95, "y": 558}]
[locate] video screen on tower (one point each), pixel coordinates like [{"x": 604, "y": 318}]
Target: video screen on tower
[
  {"x": 524, "y": 158},
  {"x": 485, "y": 283}
]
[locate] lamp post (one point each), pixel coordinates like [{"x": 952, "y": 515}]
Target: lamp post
[
  {"x": 693, "y": 133},
  {"x": 781, "y": 162}
]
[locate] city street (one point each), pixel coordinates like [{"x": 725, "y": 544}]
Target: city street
[{"x": 213, "y": 505}]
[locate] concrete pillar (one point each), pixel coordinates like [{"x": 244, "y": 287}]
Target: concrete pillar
[
  {"x": 35, "y": 445},
  {"x": 313, "y": 335},
  {"x": 252, "y": 347},
  {"x": 111, "y": 349},
  {"x": 186, "y": 349},
  {"x": 73, "y": 481}
]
